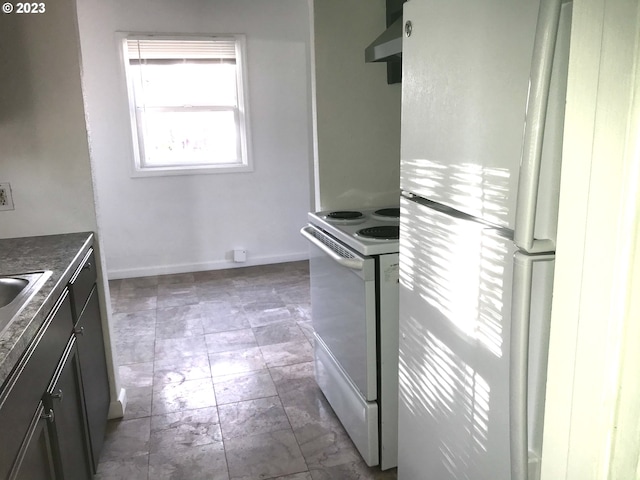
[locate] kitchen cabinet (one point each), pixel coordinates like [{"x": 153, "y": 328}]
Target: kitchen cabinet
[
  {"x": 36, "y": 458},
  {"x": 54, "y": 403},
  {"x": 65, "y": 402},
  {"x": 21, "y": 396},
  {"x": 91, "y": 352}
]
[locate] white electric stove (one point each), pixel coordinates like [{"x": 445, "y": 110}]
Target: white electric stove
[
  {"x": 368, "y": 231},
  {"x": 353, "y": 261}
]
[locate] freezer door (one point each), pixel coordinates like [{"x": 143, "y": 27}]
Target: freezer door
[
  {"x": 466, "y": 68},
  {"x": 454, "y": 347}
]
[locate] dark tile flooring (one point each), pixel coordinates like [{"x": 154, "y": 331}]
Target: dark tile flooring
[{"x": 219, "y": 377}]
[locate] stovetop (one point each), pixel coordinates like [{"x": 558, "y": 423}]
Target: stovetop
[{"x": 371, "y": 231}]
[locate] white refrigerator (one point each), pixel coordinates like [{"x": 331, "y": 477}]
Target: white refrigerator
[{"x": 483, "y": 91}]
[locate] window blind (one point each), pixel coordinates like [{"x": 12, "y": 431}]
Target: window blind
[{"x": 149, "y": 50}]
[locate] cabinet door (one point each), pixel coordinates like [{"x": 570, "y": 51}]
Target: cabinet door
[
  {"x": 65, "y": 398},
  {"x": 23, "y": 390},
  {"x": 35, "y": 460},
  {"x": 94, "y": 373}
]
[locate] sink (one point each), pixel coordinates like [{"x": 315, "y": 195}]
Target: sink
[
  {"x": 10, "y": 288},
  {"x": 15, "y": 293}
]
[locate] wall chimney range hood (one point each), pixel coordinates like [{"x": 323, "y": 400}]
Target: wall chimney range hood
[{"x": 388, "y": 46}]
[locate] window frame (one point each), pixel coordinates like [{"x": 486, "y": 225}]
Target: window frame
[{"x": 241, "y": 112}]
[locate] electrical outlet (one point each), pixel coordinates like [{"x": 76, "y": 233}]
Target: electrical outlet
[{"x": 6, "y": 199}]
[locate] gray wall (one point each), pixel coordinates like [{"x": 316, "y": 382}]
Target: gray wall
[
  {"x": 357, "y": 114},
  {"x": 44, "y": 152}
]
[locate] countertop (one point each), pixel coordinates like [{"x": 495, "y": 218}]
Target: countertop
[{"x": 61, "y": 254}]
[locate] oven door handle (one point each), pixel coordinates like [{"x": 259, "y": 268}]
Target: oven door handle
[{"x": 352, "y": 263}]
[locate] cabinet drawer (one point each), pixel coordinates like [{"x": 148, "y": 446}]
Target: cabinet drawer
[
  {"x": 82, "y": 282},
  {"x": 26, "y": 385}
]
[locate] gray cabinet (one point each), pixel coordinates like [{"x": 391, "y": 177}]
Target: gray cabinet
[
  {"x": 35, "y": 460},
  {"x": 64, "y": 400},
  {"x": 54, "y": 404},
  {"x": 91, "y": 353},
  {"x": 21, "y": 395}
]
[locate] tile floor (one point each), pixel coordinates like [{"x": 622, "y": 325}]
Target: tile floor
[{"x": 219, "y": 377}]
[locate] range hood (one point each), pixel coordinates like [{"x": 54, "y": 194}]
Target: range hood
[{"x": 388, "y": 46}]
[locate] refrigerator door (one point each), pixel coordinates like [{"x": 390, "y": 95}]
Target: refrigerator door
[
  {"x": 454, "y": 349},
  {"x": 539, "y": 177},
  {"x": 466, "y": 69},
  {"x": 529, "y": 344}
]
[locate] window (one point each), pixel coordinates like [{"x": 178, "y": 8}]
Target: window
[{"x": 187, "y": 103}]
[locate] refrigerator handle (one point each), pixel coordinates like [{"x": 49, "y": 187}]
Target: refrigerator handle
[
  {"x": 529, "y": 177},
  {"x": 519, "y": 362}
]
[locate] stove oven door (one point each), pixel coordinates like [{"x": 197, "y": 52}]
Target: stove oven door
[{"x": 343, "y": 305}]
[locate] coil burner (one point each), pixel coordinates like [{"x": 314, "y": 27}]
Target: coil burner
[
  {"x": 388, "y": 213},
  {"x": 345, "y": 215},
  {"x": 385, "y": 232}
]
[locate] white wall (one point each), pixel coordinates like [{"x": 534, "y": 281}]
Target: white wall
[
  {"x": 592, "y": 417},
  {"x": 185, "y": 223},
  {"x": 357, "y": 113}
]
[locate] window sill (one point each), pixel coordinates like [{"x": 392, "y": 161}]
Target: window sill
[{"x": 194, "y": 170}]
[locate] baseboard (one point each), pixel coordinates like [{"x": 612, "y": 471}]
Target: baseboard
[
  {"x": 117, "y": 407},
  {"x": 150, "y": 271}
]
